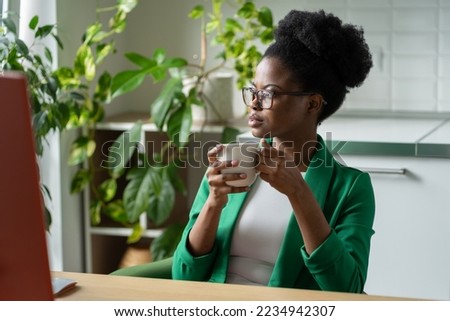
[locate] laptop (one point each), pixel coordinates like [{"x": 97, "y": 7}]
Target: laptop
[{"x": 24, "y": 264}]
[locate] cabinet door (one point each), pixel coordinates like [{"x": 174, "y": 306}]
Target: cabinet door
[{"x": 410, "y": 251}]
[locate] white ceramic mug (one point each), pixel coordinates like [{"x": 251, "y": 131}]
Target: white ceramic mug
[{"x": 247, "y": 156}]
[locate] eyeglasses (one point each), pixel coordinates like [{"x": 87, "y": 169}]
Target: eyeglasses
[{"x": 265, "y": 97}]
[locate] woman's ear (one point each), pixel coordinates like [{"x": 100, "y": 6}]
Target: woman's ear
[{"x": 315, "y": 103}]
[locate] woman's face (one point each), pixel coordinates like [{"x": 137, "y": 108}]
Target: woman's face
[{"x": 288, "y": 119}]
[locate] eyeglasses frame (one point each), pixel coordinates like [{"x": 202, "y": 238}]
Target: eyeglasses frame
[{"x": 275, "y": 93}]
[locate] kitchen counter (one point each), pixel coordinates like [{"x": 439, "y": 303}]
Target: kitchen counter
[{"x": 387, "y": 136}]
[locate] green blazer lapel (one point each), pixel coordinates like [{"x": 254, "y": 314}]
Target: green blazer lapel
[
  {"x": 319, "y": 173},
  {"x": 290, "y": 262}
]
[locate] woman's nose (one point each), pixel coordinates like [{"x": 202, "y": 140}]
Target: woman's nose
[{"x": 256, "y": 104}]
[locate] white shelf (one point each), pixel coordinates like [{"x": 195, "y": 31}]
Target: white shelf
[{"x": 123, "y": 231}]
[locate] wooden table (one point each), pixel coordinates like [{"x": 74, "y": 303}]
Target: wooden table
[{"x": 123, "y": 288}]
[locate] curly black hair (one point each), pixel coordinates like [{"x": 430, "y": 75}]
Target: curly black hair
[{"x": 323, "y": 54}]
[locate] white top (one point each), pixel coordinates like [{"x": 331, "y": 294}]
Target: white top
[{"x": 258, "y": 234}]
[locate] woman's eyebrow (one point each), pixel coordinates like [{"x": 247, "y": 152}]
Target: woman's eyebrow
[{"x": 266, "y": 86}]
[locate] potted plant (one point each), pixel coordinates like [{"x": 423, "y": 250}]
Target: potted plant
[{"x": 151, "y": 189}]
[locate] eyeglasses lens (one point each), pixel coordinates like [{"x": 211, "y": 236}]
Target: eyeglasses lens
[{"x": 264, "y": 97}]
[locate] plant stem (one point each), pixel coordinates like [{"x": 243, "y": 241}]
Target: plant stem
[
  {"x": 203, "y": 45},
  {"x": 106, "y": 9}
]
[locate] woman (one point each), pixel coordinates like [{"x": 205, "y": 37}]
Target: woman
[{"x": 307, "y": 221}]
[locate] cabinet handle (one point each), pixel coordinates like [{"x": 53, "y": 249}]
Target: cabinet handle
[{"x": 390, "y": 171}]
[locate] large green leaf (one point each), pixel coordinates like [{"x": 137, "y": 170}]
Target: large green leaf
[
  {"x": 137, "y": 192},
  {"x": 118, "y": 22},
  {"x": 95, "y": 208},
  {"x": 58, "y": 41},
  {"x": 44, "y": 31},
  {"x": 66, "y": 77},
  {"x": 33, "y": 22},
  {"x": 126, "y": 81},
  {"x": 266, "y": 36},
  {"x": 22, "y": 48},
  {"x": 140, "y": 60},
  {"x": 80, "y": 180},
  {"x": 116, "y": 211},
  {"x": 162, "y": 198},
  {"x": 247, "y": 10},
  {"x": 99, "y": 37},
  {"x": 108, "y": 189},
  {"x": 10, "y": 25},
  {"x": 103, "y": 88},
  {"x": 164, "y": 245},
  {"x": 91, "y": 32},
  {"x": 103, "y": 50},
  {"x": 82, "y": 148},
  {"x": 85, "y": 63},
  {"x": 122, "y": 149},
  {"x": 161, "y": 106},
  {"x": 179, "y": 124},
  {"x": 265, "y": 17},
  {"x": 233, "y": 25},
  {"x": 136, "y": 233},
  {"x": 197, "y": 12}
]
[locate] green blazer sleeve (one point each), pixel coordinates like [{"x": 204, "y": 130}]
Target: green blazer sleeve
[
  {"x": 341, "y": 262},
  {"x": 185, "y": 266}
]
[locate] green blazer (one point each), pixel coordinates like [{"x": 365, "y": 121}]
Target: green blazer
[{"x": 339, "y": 264}]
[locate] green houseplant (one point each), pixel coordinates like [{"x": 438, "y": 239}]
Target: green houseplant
[
  {"x": 68, "y": 97},
  {"x": 34, "y": 60},
  {"x": 151, "y": 189}
]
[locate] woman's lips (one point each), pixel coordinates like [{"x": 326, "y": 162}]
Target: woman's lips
[{"x": 254, "y": 121}]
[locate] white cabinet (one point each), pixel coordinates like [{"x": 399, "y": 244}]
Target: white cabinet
[{"x": 410, "y": 252}]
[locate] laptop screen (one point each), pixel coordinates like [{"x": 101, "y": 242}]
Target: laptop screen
[{"x": 24, "y": 264}]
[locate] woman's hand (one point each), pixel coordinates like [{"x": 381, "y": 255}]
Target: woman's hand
[
  {"x": 279, "y": 170},
  {"x": 219, "y": 189},
  {"x": 203, "y": 234}
]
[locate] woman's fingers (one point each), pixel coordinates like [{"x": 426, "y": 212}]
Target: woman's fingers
[{"x": 213, "y": 152}]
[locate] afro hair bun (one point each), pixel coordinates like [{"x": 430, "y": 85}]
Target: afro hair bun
[{"x": 341, "y": 45}]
